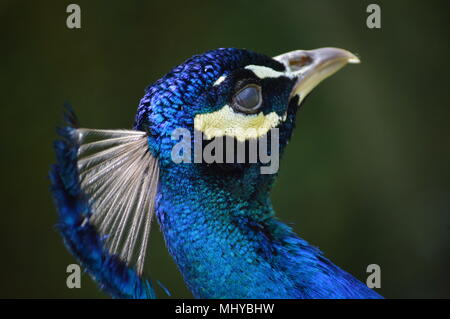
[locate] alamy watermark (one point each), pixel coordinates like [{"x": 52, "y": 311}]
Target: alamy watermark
[
  {"x": 73, "y": 20},
  {"x": 74, "y": 279},
  {"x": 374, "y": 279},
  {"x": 227, "y": 149},
  {"x": 373, "y": 20}
]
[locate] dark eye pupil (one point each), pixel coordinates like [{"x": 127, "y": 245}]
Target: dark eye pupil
[{"x": 249, "y": 98}]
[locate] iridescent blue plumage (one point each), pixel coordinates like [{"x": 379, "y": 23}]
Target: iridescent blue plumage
[
  {"x": 80, "y": 237},
  {"x": 217, "y": 219}
]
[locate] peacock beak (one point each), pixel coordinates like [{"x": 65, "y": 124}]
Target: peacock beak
[{"x": 313, "y": 66}]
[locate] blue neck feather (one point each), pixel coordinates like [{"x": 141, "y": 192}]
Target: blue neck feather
[{"x": 223, "y": 235}]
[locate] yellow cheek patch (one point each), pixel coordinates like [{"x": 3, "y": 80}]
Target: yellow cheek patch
[{"x": 226, "y": 122}]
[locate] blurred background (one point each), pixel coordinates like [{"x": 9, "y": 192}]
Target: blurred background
[{"x": 366, "y": 177}]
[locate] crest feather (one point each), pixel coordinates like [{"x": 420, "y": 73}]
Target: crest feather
[{"x": 119, "y": 177}]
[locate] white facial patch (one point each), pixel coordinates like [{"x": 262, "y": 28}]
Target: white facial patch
[
  {"x": 219, "y": 80},
  {"x": 263, "y": 72},
  {"x": 226, "y": 122},
  {"x": 260, "y": 71}
]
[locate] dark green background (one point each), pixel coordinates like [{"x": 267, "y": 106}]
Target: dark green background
[{"x": 365, "y": 178}]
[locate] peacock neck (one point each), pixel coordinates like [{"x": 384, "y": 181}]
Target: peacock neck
[{"x": 221, "y": 232}]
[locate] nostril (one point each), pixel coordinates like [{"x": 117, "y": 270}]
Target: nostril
[{"x": 298, "y": 62}]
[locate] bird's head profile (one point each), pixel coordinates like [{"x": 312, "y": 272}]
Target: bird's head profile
[
  {"x": 202, "y": 156},
  {"x": 233, "y": 94}
]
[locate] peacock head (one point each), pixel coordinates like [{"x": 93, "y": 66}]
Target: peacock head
[{"x": 233, "y": 94}]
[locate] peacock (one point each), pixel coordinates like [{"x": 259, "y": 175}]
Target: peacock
[{"x": 216, "y": 214}]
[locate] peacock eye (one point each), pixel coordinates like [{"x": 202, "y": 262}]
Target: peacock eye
[{"x": 248, "y": 99}]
